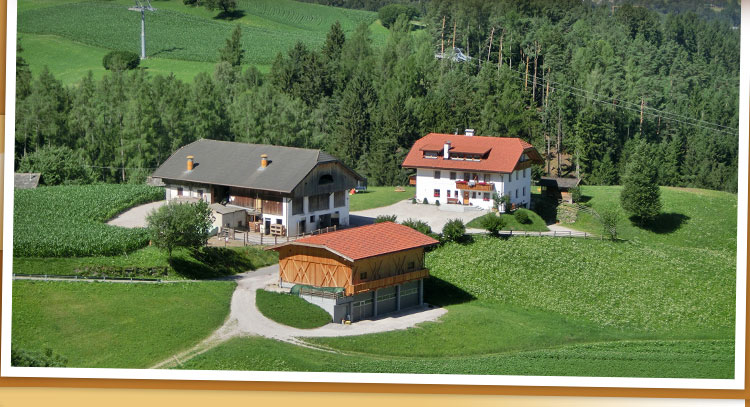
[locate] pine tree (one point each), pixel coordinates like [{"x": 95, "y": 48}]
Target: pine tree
[
  {"x": 640, "y": 194},
  {"x": 232, "y": 51}
]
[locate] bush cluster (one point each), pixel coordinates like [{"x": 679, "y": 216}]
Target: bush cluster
[
  {"x": 454, "y": 230},
  {"x": 522, "y": 217},
  {"x": 121, "y": 61},
  {"x": 385, "y": 218}
]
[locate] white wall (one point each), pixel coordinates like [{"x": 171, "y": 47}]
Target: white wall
[
  {"x": 293, "y": 220},
  {"x": 188, "y": 191},
  {"x": 503, "y": 183}
]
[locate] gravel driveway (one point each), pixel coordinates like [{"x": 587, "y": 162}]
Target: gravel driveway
[
  {"x": 433, "y": 215},
  {"x": 245, "y": 319},
  {"x": 135, "y": 217}
]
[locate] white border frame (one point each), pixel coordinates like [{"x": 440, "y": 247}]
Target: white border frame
[{"x": 306, "y": 377}]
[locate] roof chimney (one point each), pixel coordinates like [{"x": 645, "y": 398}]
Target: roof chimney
[
  {"x": 264, "y": 160},
  {"x": 469, "y": 132},
  {"x": 190, "y": 162},
  {"x": 446, "y": 150}
]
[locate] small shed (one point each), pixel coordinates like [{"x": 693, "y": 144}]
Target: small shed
[
  {"x": 26, "y": 180},
  {"x": 357, "y": 273},
  {"x": 558, "y": 187},
  {"x": 229, "y": 216}
]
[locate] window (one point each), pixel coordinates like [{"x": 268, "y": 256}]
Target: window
[
  {"x": 297, "y": 206},
  {"x": 312, "y": 219},
  {"x": 516, "y": 175},
  {"x": 325, "y": 179},
  {"x": 487, "y": 177},
  {"x": 436, "y": 193},
  {"x": 200, "y": 193},
  {"x": 466, "y": 176},
  {"x": 339, "y": 199},
  {"x": 525, "y": 173},
  {"x": 516, "y": 193},
  {"x": 453, "y": 175},
  {"x": 363, "y": 276},
  {"x": 319, "y": 202},
  {"x": 437, "y": 174},
  {"x": 524, "y": 191},
  {"x": 447, "y": 193},
  {"x": 430, "y": 154},
  {"x": 179, "y": 191},
  {"x": 486, "y": 196},
  {"x": 411, "y": 266},
  {"x": 475, "y": 176},
  {"x": 473, "y": 195},
  {"x": 239, "y": 223},
  {"x": 455, "y": 193}
]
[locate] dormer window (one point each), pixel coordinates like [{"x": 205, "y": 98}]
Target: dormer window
[
  {"x": 430, "y": 154},
  {"x": 524, "y": 157},
  {"x": 325, "y": 179}
]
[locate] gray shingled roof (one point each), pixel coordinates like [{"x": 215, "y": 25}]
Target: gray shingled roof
[
  {"x": 238, "y": 165},
  {"x": 26, "y": 180},
  {"x": 562, "y": 183}
]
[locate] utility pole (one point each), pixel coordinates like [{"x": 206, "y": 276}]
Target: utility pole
[
  {"x": 643, "y": 103},
  {"x": 548, "y": 160},
  {"x": 546, "y": 97},
  {"x": 139, "y": 6},
  {"x": 526, "y": 78}
]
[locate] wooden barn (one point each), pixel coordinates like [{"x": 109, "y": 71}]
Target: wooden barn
[{"x": 357, "y": 273}]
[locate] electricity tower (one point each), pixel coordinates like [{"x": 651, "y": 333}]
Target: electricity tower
[{"x": 142, "y": 7}]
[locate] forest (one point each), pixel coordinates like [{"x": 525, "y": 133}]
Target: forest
[{"x": 594, "y": 79}]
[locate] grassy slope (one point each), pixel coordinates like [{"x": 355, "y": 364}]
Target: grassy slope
[
  {"x": 689, "y": 359},
  {"x": 542, "y": 306},
  {"x": 184, "y": 264},
  {"x": 537, "y": 223},
  {"x": 71, "y": 37},
  {"x": 376, "y": 197},
  {"x": 291, "y": 310},
  {"x": 116, "y": 325}
]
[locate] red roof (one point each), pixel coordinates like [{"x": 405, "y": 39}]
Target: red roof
[
  {"x": 504, "y": 153},
  {"x": 368, "y": 241}
]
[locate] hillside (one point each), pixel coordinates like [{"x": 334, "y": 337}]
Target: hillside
[{"x": 178, "y": 37}]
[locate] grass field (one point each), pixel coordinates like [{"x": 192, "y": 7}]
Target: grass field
[
  {"x": 688, "y": 359},
  {"x": 537, "y": 223},
  {"x": 72, "y": 37},
  {"x": 63, "y": 221},
  {"x": 375, "y": 197},
  {"x": 544, "y": 306},
  {"x": 116, "y": 325},
  {"x": 186, "y": 264},
  {"x": 290, "y": 310}
]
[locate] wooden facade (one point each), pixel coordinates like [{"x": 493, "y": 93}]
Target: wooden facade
[
  {"x": 326, "y": 178},
  {"x": 322, "y": 268}
]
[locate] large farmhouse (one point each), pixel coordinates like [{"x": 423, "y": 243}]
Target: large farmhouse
[
  {"x": 357, "y": 273},
  {"x": 468, "y": 169},
  {"x": 264, "y": 188}
]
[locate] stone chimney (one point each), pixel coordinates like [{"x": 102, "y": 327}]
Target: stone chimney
[
  {"x": 469, "y": 132},
  {"x": 446, "y": 150},
  {"x": 190, "y": 162},
  {"x": 263, "y": 160}
]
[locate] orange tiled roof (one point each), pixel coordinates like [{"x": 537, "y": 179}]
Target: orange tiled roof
[
  {"x": 504, "y": 152},
  {"x": 368, "y": 241}
]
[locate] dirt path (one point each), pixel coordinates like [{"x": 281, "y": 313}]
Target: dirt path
[{"x": 245, "y": 320}]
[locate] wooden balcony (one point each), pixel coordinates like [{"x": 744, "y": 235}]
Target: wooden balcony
[
  {"x": 478, "y": 186},
  {"x": 386, "y": 282}
]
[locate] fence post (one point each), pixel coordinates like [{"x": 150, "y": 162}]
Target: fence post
[
  {"x": 554, "y": 233},
  {"x": 261, "y": 239},
  {"x": 275, "y": 239}
]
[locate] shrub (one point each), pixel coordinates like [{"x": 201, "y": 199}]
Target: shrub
[
  {"x": 121, "y": 60},
  {"x": 522, "y": 217},
  {"x": 609, "y": 218},
  {"x": 493, "y": 224},
  {"x": 23, "y": 357},
  {"x": 180, "y": 225},
  {"x": 414, "y": 200},
  {"x": 575, "y": 194},
  {"x": 437, "y": 202},
  {"x": 385, "y": 218},
  {"x": 418, "y": 225},
  {"x": 424, "y": 201},
  {"x": 454, "y": 230},
  {"x": 58, "y": 165},
  {"x": 505, "y": 201}
]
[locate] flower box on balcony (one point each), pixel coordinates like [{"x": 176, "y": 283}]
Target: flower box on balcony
[{"x": 461, "y": 182}]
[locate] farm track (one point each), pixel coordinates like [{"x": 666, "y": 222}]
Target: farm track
[{"x": 246, "y": 320}]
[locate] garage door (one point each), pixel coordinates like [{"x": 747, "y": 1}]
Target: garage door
[
  {"x": 386, "y": 300},
  {"x": 361, "y": 309},
  {"x": 410, "y": 294}
]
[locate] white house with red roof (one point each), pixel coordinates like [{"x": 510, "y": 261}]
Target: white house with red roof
[{"x": 468, "y": 169}]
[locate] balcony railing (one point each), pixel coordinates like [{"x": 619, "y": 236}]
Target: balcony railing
[
  {"x": 475, "y": 186},
  {"x": 386, "y": 282}
]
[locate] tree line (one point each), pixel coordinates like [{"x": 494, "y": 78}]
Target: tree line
[{"x": 594, "y": 80}]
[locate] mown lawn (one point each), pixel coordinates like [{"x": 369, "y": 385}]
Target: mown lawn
[
  {"x": 116, "y": 325},
  {"x": 376, "y": 197},
  {"x": 290, "y": 310},
  {"x": 206, "y": 263},
  {"x": 537, "y": 224},
  {"x": 679, "y": 359}
]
